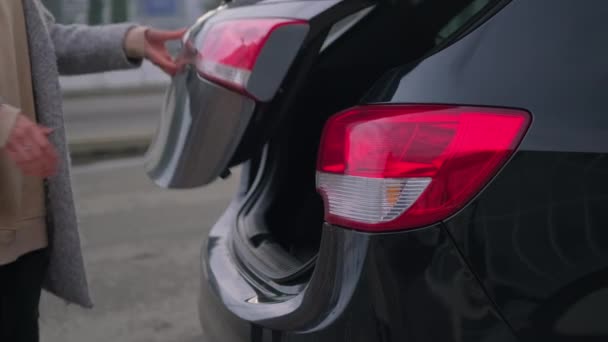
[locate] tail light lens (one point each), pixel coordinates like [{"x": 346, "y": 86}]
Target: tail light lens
[
  {"x": 228, "y": 50},
  {"x": 401, "y": 167}
]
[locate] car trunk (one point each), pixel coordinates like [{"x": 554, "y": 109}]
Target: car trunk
[
  {"x": 349, "y": 47},
  {"x": 280, "y": 226}
]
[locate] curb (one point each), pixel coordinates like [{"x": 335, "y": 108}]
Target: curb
[
  {"x": 83, "y": 151},
  {"x": 114, "y": 91}
]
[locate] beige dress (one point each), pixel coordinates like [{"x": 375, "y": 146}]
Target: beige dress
[{"x": 22, "y": 207}]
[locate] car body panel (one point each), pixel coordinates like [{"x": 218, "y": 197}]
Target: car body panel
[
  {"x": 298, "y": 9},
  {"x": 536, "y": 236},
  {"x": 542, "y": 56},
  {"x": 191, "y": 126},
  {"x": 537, "y": 239},
  {"x": 407, "y": 286},
  {"x": 527, "y": 259}
]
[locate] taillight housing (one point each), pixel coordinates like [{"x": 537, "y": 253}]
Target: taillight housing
[
  {"x": 228, "y": 51},
  {"x": 406, "y": 166}
]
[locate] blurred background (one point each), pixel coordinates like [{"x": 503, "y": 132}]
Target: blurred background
[
  {"x": 167, "y": 14},
  {"x": 142, "y": 244},
  {"x": 104, "y": 97}
]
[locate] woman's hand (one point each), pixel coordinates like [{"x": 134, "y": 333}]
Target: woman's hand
[
  {"x": 149, "y": 43},
  {"x": 29, "y": 147},
  {"x": 156, "y": 50}
]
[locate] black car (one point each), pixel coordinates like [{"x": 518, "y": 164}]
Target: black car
[{"x": 412, "y": 170}]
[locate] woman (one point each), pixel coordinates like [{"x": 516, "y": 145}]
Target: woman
[{"x": 39, "y": 241}]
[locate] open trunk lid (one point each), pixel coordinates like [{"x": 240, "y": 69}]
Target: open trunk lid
[{"x": 230, "y": 93}]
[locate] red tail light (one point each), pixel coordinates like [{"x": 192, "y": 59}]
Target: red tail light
[
  {"x": 229, "y": 49},
  {"x": 400, "y": 167}
]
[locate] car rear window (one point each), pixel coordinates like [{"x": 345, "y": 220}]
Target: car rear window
[{"x": 462, "y": 18}]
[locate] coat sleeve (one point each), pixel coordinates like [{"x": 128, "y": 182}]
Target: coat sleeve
[{"x": 82, "y": 49}]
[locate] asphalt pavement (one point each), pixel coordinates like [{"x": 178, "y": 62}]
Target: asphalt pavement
[
  {"x": 142, "y": 246},
  {"x": 141, "y": 243}
]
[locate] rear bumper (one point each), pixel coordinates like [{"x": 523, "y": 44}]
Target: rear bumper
[{"x": 404, "y": 286}]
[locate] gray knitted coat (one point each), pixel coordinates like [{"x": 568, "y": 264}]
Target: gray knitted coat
[{"x": 71, "y": 49}]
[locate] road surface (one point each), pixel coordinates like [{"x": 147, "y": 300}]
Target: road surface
[{"x": 142, "y": 246}]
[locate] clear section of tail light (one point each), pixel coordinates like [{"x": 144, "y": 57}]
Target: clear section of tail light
[
  {"x": 399, "y": 167},
  {"x": 384, "y": 201},
  {"x": 228, "y": 50}
]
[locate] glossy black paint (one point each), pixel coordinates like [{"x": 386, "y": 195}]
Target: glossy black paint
[
  {"x": 408, "y": 286},
  {"x": 537, "y": 239},
  {"x": 274, "y": 60},
  {"x": 525, "y": 260},
  {"x": 547, "y": 57},
  {"x": 537, "y": 235}
]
